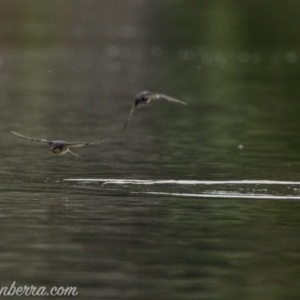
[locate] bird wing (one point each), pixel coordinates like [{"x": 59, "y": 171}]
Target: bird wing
[
  {"x": 73, "y": 153},
  {"x": 166, "y": 97},
  {"x": 81, "y": 144},
  {"x": 32, "y": 139},
  {"x": 129, "y": 117}
]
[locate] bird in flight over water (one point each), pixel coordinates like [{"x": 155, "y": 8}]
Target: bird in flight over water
[
  {"x": 146, "y": 97},
  {"x": 59, "y": 147}
]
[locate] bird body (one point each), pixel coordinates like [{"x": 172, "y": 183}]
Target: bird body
[
  {"x": 146, "y": 97},
  {"x": 59, "y": 147}
]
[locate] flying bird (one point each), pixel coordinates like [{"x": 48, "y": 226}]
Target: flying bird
[
  {"x": 146, "y": 97},
  {"x": 59, "y": 147}
]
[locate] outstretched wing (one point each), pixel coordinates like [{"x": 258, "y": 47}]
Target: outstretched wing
[
  {"x": 32, "y": 139},
  {"x": 156, "y": 96},
  {"x": 129, "y": 117},
  {"x": 79, "y": 144}
]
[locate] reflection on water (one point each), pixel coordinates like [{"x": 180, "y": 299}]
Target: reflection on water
[
  {"x": 244, "y": 189},
  {"x": 184, "y": 205},
  {"x": 187, "y": 182}
]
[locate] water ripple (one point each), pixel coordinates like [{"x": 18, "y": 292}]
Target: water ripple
[
  {"x": 183, "y": 182},
  {"x": 234, "y": 189},
  {"x": 225, "y": 195}
]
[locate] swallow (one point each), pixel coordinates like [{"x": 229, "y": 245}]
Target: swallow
[
  {"x": 145, "y": 97},
  {"x": 59, "y": 147}
]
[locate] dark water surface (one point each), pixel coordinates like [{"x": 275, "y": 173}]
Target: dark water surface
[{"x": 192, "y": 202}]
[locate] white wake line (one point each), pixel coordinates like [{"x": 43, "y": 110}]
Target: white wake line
[
  {"x": 252, "y": 196},
  {"x": 183, "y": 182}
]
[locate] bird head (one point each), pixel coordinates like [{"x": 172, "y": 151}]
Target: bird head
[
  {"x": 57, "y": 147},
  {"x": 141, "y": 98}
]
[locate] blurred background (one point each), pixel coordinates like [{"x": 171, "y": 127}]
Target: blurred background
[{"x": 70, "y": 70}]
